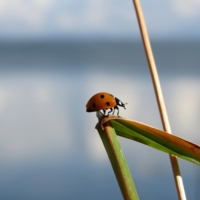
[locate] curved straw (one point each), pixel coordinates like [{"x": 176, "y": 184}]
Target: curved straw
[{"x": 159, "y": 96}]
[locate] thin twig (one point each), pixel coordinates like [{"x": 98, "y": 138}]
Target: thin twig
[{"x": 159, "y": 96}]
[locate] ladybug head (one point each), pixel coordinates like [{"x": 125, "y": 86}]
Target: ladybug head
[{"x": 120, "y": 103}]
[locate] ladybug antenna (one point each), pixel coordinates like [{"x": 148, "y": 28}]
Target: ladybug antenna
[{"x": 124, "y": 105}]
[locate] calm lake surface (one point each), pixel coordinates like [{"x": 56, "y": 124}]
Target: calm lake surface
[{"x": 49, "y": 147}]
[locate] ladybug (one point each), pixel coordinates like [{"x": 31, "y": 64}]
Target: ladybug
[{"x": 104, "y": 101}]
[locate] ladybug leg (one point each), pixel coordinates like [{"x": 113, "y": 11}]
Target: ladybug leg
[
  {"x": 104, "y": 112},
  {"x": 117, "y": 110},
  {"x": 113, "y": 111},
  {"x": 110, "y": 111}
]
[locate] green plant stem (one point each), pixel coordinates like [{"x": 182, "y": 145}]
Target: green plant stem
[{"x": 118, "y": 161}]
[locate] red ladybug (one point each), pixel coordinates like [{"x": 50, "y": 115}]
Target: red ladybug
[{"x": 104, "y": 101}]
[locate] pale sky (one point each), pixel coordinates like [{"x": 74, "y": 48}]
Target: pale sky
[{"x": 165, "y": 19}]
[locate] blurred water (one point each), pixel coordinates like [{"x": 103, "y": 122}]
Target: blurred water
[{"x": 49, "y": 148}]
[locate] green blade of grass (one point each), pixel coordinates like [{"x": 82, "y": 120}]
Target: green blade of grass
[
  {"x": 119, "y": 164},
  {"x": 155, "y": 138}
]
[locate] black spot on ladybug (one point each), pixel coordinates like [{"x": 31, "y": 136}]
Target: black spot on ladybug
[
  {"x": 107, "y": 103},
  {"x": 94, "y": 105},
  {"x": 102, "y": 96}
]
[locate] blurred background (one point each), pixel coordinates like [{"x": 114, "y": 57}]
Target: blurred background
[{"x": 56, "y": 54}]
